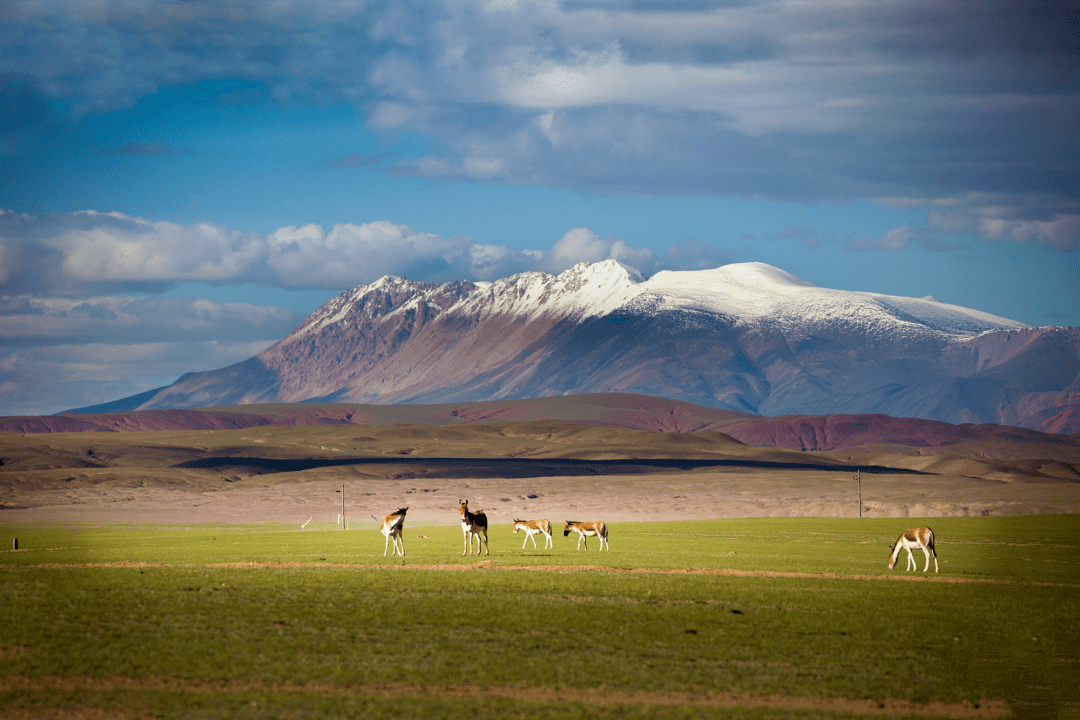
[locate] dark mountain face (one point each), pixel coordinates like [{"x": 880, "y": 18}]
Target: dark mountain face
[{"x": 771, "y": 345}]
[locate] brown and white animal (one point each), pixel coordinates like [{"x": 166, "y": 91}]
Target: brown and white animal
[
  {"x": 473, "y": 525},
  {"x": 531, "y": 527},
  {"x": 587, "y": 530},
  {"x": 914, "y": 539},
  {"x": 391, "y": 527}
]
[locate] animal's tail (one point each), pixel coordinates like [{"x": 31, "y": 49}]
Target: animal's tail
[{"x": 930, "y": 542}]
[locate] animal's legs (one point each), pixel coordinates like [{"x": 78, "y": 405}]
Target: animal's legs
[{"x": 386, "y": 545}]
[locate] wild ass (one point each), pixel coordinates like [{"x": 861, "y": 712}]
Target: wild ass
[
  {"x": 914, "y": 539},
  {"x": 586, "y": 530},
  {"x": 531, "y": 527},
  {"x": 473, "y": 524},
  {"x": 391, "y": 527}
]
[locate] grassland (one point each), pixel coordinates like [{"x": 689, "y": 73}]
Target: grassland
[{"x": 781, "y": 617}]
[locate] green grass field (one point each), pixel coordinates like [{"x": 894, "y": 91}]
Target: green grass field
[{"x": 733, "y": 618}]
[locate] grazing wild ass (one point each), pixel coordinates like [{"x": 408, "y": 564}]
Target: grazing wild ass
[
  {"x": 391, "y": 527},
  {"x": 531, "y": 527},
  {"x": 586, "y": 530},
  {"x": 914, "y": 539},
  {"x": 473, "y": 525}
]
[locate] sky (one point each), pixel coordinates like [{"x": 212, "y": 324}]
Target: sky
[{"x": 182, "y": 182}]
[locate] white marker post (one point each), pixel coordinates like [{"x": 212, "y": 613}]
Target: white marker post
[{"x": 342, "y": 491}]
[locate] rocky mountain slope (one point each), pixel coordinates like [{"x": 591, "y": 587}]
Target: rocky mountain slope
[{"x": 745, "y": 337}]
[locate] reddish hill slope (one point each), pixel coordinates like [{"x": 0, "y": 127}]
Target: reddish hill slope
[{"x": 796, "y": 432}]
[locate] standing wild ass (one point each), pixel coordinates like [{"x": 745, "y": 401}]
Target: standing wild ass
[
  {"x": 914, "y": 539},
  {"x": 586, "y": 530},
  {"x": 391, "y": 527},
  {"x": 473, "y": 525},
  {"x": 531, "y": 527}
]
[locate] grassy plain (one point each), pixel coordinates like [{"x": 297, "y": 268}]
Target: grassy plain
[{"x": 777, "y": 617}]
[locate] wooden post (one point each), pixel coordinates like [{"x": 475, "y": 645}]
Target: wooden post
[
  {"x": 15, "y": 544},
  {"x": 858, "y": 481}
]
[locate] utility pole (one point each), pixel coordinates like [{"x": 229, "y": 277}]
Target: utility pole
[{"x": 859, "y": 481}]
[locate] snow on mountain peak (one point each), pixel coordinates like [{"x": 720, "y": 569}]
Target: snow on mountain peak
[
  {"x": 584, "y": 290},
  {"x": 756, "y": 293},
  {"x": 747, "y": 293}
]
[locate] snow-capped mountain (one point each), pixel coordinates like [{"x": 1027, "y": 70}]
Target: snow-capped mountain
[{"x": 745, "y": 337}]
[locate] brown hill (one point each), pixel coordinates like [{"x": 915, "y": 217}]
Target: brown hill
[{"x": 642, "y": 412}]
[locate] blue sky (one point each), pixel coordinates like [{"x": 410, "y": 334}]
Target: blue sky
[{"x": 181, "y": 182}]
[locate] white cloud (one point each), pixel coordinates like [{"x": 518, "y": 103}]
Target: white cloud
[
  {"x": 134, "y": 250},
  {"x": 996, "y": 219},
  {"x": 1063, "y": 232},
  {"x": 904, "y": 238},
  {"x": 582, "y": 244},
  {"x": 96, "y": 256},
  {"x": 350, "y": 255},
  {"x": 36, "y": 321},
  {"x": 832, "y": 100}
]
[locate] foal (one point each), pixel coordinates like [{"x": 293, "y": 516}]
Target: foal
[
  {"x": 531, "y": 527},
  {"x": 473, "y": 525}
]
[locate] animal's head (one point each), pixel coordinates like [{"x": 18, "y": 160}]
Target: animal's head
[
  {"x": 402, "y": 511},
  {"x": 892, "y": 558},
  {"x": 517, "y": 525},
  {"x": 566, "y": 530},
  {"x": 463, "y": 507}
]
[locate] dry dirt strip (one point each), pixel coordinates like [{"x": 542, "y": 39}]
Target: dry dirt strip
[
  {"x": 540, "y": 694},
  {"x": 491, "y": 565}
]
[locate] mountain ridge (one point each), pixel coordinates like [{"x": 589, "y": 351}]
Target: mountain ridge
[{"x": 745, "y": 337}]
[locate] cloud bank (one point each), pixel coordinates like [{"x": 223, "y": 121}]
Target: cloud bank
[
  {"x": 968, "y": 105},
  {"x": 91, "y": 254}
]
